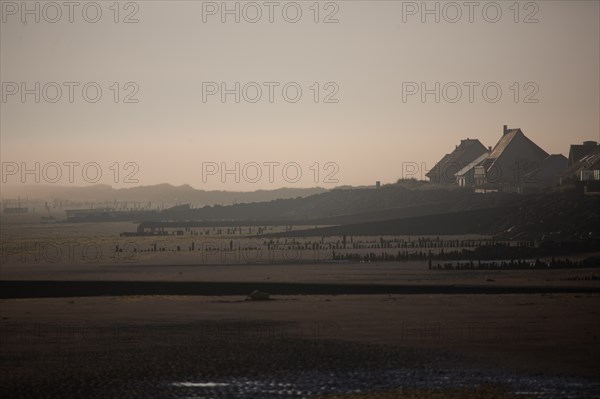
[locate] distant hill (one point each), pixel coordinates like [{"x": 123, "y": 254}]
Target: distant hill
[
  {"x": 402, "y": 208},
  {"x": 157, "y": 194},
  {"x": 343, "y": 206},
  {"x": 396, "y": 209}
]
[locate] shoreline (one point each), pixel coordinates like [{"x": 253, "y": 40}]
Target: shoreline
[{"x": 62, "y": 289}]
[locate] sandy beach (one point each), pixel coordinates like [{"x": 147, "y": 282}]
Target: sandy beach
[
  {"x": 57, "y": 345},
  {"x": 168, "y": 327}
]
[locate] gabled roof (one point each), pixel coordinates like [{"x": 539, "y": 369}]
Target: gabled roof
[
  {"x": 591, "y": 161},
  {"x": 465, "y": 152},
  {"x": 594, "y": 165},
  {"x": 445, "y": 160},
  {"x": 504, "y": 142},
  {"x": 578, "y": 151},
  {"x": 513, "y": 138},
  {"x": 472, "y": 165}
]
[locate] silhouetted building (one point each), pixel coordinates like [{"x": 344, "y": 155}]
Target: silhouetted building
[
  {"x": 585, "y": 169},
  {"x": 473, "y": 174},
  {"x": 511, "y": 159},
  {"x": 465, "y": 153},
  {"x": 578, "y": 151},
  {"x": 549, "y": 172}
]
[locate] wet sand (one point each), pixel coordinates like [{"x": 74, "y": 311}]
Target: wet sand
[
  {"x": 61, "y": 346},
  {"x": 77, "y": 330}
]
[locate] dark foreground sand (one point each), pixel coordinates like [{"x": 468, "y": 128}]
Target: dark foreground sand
[{"x": 541, "y": 345}]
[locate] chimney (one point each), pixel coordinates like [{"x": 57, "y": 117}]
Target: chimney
[
  {"x": 505, "y": 130},
  {"x": 490, "y": 148}
]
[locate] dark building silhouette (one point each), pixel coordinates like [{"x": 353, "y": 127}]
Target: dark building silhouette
[
  {"x": 465, "y": 153},
  {"x": 513, "y": 162},
  {"x": 578, "y": 151},
  {"x": 549, "y": 172}
]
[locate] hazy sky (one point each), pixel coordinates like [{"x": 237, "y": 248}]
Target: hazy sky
[{"x": 370, "y": 61}]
